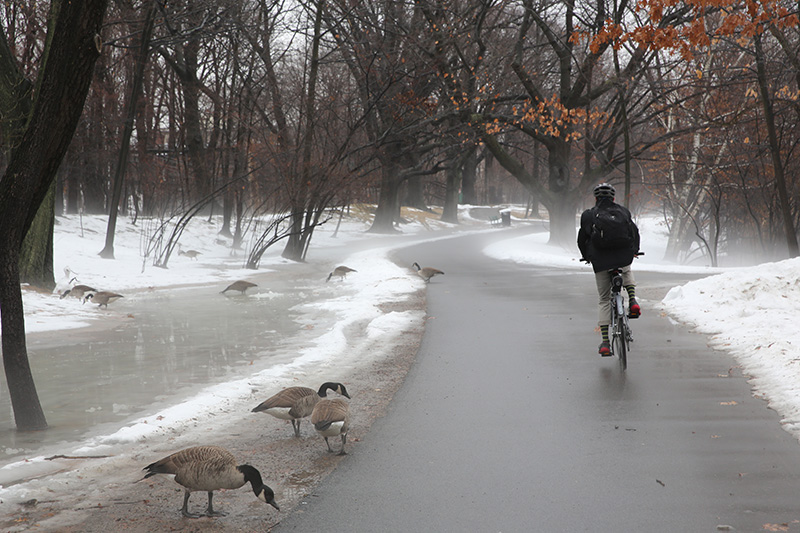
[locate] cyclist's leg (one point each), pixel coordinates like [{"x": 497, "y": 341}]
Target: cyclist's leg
[
  {"x": 629, "y": 282},
  {"x": 627, "y": 276},
  {"x": 603, "y": 281}
]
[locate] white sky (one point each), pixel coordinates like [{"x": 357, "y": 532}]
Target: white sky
[{"x": 750, "y": 312}]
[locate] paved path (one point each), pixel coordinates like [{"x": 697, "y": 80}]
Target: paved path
[{"x": 509, "y": 421}]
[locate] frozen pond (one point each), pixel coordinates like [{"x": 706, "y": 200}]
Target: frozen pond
[{"x": 161, "y": 347}]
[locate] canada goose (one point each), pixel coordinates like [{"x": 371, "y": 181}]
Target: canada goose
[
  {"x": 191, "y": 254},
  {"x": 209, "y": 468},
  {"x": 65, "y": 282},
  {"x": 78, "y": 291},
  {"x": 102, "y": 298},
  {"x": 296, "y": 403},
  {"x": 331, "y": 418},
  {"x": 340, "y": 271},
  {"x": 427, "y": 273},
  {"x": 240, "y": 286}
]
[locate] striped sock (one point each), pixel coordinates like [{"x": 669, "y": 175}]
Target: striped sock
[
  {"x": 604, "y": 333},
  {"x": 631, "y": 291}
]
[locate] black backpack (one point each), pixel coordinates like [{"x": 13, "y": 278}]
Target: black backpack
[{"x": 611, "y": 228}]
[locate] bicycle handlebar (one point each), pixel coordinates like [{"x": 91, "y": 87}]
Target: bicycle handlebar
[{"x": 584, "y": 260}]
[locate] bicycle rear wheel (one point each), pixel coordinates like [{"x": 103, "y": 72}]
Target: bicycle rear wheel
[{"x": 620, "y": 342}]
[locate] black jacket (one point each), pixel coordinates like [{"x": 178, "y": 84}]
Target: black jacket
[{"x": 605, "y": 259}]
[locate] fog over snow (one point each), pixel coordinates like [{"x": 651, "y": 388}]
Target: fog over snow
[{"x": 751, "y": 312}]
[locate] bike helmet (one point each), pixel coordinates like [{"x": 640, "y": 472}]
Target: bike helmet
[{"x": 605, "y": 190}]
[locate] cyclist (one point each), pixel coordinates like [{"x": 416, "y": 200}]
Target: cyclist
[{"x": 608, "y": 238}]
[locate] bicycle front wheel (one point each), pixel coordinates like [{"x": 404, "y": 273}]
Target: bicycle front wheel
[{"x": 620, "y": 342}]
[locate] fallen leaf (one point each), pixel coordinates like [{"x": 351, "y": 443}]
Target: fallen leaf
[{"x": 776, "y": 527}]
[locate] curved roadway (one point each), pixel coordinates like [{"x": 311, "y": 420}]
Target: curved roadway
[{"x": 509, "y": 420}]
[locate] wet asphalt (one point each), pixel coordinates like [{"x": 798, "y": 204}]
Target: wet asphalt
[{"x": 510, "y": 421}]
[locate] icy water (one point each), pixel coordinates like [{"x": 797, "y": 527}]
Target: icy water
[{"x": 163, "y": 347}]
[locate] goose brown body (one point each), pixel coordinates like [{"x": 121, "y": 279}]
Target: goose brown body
[
  {"x": 341, "y": 272},
  {"x": 102, "y": 298},
  {"x": 427, "y": 273},
  {"x": 295, "y": 403},
  {"x": 332, "y": 418},
  {"x": 209, "y": 468},
  {"x": 78, "y": 291},
  {"x": 239, "y": 285},
  {"x": 191, "y": 254}
]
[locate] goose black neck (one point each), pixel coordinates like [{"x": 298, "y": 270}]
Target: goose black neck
[
  {"x": 252, "y": 475},
  {"x": 323, "y": 389}
]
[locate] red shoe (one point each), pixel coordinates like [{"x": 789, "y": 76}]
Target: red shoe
[
  {"x": 605, "y": 349},
  {"x": 634, "y": 310}
]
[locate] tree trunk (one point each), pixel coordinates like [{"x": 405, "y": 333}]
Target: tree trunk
[
  {"x": 561, "y": 205},
  {"x": 36, "y": 265},
  {"x": 15, "y": 98},
  {"x": 681, "y": 235},
  {"x": 227, "y": 213},
  {"x": 562, "y": 213},
  {"x": 233, "y": 194},
  {"x": 193, "y": 131},
  {"x": 468, "y": 178},
  {"x": 73, "y": 194},
  {"x": 68, "y": 64},
  {"x": 415, "y": 197},
  {"x": 300, "y": 233},
  {"x": 28, "y": 412},
  {"x": 293, "y": 250},
  {"x": 775, "y": 151},
  {"x": 36, "y": 256},
  {"x": 559, "y": 200},
  {"x": 450, "y": 208},
  {"x": 238, "y": 235},
  {"x": 388, "y": 201}
]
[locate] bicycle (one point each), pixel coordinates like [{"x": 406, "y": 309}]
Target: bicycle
[{"x": 619, "y": 330}]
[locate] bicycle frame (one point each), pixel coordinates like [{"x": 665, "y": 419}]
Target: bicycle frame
[{"x": 619, "y": 331}]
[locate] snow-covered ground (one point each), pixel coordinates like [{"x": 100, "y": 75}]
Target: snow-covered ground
[
  {"x": 748, "y": 311},
  {"x": 359, "y": 300}
]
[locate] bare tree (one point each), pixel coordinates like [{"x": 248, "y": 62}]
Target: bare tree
[
  {"x": 565, "y": 92},
  {"x": 775, "y": 151},
  {"x": 122, "y": 160},
  {"x": 16, "y": 100},
  {"x": 73, "y": 46},
  {"x": 382, "y": 45}
]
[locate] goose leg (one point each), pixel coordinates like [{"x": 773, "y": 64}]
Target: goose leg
[
  {"x": 210, "y": 511},
  {"x": 185, "y": 510},
  {"x": 296, "y": 426},
  {"x": 344, "y": 439},
  {"x": 329, "y": 444}
]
